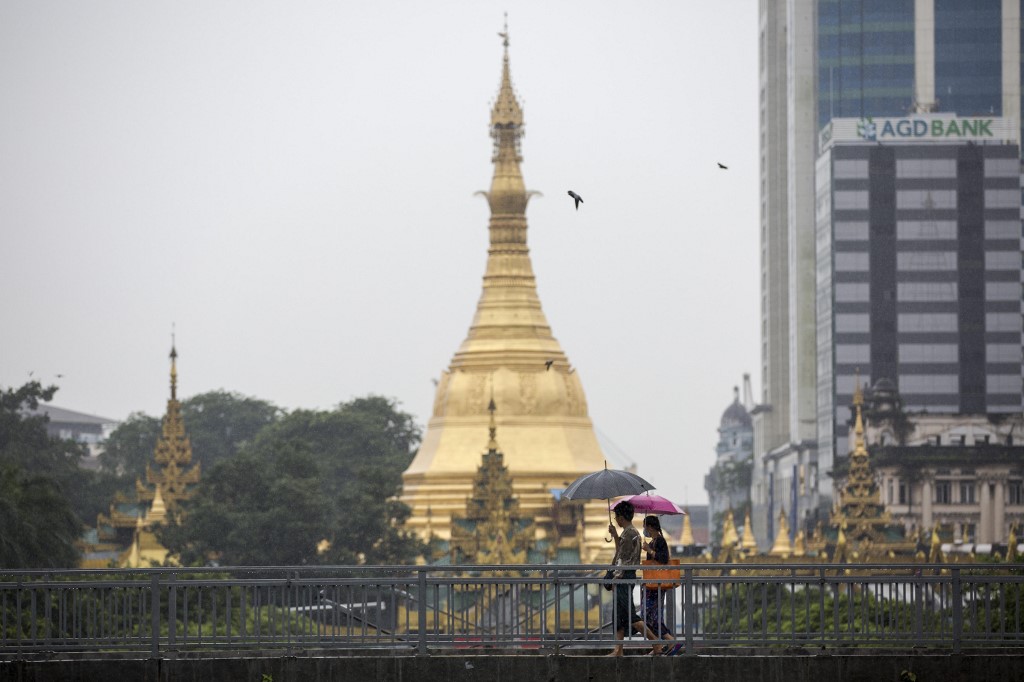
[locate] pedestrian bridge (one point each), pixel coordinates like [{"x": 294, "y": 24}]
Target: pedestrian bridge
[{"x": 758, "y": 622}]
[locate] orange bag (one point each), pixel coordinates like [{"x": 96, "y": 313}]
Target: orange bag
[{"x": 661, "y": 578}]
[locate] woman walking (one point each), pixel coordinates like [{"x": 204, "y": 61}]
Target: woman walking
[{"x": 657, "y": 551}]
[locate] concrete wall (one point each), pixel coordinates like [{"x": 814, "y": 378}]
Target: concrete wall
[{"x": 799, "y": 667}]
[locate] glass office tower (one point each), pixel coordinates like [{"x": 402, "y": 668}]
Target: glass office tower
[{"x": 831, "y": 59}]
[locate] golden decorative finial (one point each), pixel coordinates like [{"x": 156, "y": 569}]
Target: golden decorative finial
[
  {"x": 504, "y": 34},
  {"x": 174, "y": 366}
]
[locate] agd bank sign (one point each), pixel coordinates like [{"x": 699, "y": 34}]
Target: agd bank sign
[{"x": 922, "y": 128}]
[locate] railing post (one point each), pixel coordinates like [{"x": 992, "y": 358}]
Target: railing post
[
  {"x": 918, "y": 605},
  {"x": 688, "y": 609},
  {"x": 558, "y": 612},
  {"x": 154, "y": 620},
  {"x": 422, "y": 576},
  {"x": 172, "y": 611},
  {"x": 958, "y": 614}
]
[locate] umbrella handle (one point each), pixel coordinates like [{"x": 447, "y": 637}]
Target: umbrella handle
[{"x": 609, "y": 538}]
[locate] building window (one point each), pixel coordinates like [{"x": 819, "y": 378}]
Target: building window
[
  {"x": 1002, "y": 198},
  {"x": 1002, "y": 322},
  {"x": 1016, "y": 492},
  {"x": 855, "y": 261},
  {"x": 926, "y": 168},
  {"x": 851, "y": 200},
  {"x": 931, "y": 260},
  {"x": 967, "y": 532},
  {"x": 926, "y": 229},
  {"x": 851, "y": 168},
  {"x": 902, "y": 492},
  {"x": 943, "y": 492},
  {"x": 1003, "y": 383},
  {"x": 930, "y": 384},
  {"x": 1002, "y": 168},
  {"x": 929, "y": 291},
  {"x": 1002, "y": 260},
  {"x": 858, "y": 231},
  {"x": 927, "y": 322},
  {"x": 1002, "y": 229},
  {"x": 928, "y": 352},
  {"x": 1002, "y": 291},
  {"x": 860, "y": 292},
  {"x": 923, "y": 198},
  {"x": 967, "y": 492},
  {"x": 853, "y": 323}
]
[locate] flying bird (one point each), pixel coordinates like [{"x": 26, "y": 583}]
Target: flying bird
[
  {"x": 722, "y": 166},
  {"x": 577, "y": 197},
  {"x": 547, "y": 364}
]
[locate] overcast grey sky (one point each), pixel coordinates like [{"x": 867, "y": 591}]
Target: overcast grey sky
[{"x": 291, "y": 184}]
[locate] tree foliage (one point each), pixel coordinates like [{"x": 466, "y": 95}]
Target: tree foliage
[
  {"x": 309, "y": 476},
  {"x": 39, "y": 478}
]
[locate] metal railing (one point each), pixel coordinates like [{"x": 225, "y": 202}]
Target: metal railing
[{"x": 422, "y": 609}]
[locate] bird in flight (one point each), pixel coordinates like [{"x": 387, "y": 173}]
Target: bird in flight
[
  {"x": 547, "y": 364},
  {"x": 577, "y": 197},
  {"x": 722, "y": 166}
]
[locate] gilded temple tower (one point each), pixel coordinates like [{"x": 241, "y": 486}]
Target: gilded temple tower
[{"x": 548, "y": 438}]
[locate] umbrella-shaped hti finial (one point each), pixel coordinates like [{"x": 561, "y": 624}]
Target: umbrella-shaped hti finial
[{"x": 604, "y": 485}]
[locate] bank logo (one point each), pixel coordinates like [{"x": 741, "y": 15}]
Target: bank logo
[{"x": 867, "y": 129}]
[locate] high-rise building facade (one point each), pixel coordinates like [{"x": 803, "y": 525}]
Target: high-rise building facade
[
  {"x": 918, "y": 266},
  {"x": 825, "y": 59}
]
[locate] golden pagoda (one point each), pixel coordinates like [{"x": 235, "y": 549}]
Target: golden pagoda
[
  {"x": 125, "y": 536},
  {"x": 860, "y": 514},
  {"x": 492, "y": 530},
  {"x": 511, "y": 355}
]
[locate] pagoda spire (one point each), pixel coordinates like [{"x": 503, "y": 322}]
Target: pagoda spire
[
  {"x": 175, "y": 476},
  {"x": 174, "y": 369},
  {"x": 509, "y": 306}
]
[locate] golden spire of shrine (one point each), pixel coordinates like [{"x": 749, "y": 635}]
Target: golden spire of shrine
[
  {"x": 782, "y": 546},
  {"x": 511, "y": 356},
  {"x": 748, "y": 543},
  {"x": 729, "y": 535},
  {"x": 174, "y": 478},
  {"x": 174, "y": 369},
  {"x": 686, "y": 539},
  {"x": 860, "y": 500}
]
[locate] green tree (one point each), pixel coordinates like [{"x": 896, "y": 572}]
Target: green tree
[
  {"x": 130, "y": 446},
  {"x": 218, "y": 423},
  {"x": 308, "y": 477},
  {"x": 39, "y": 476}
]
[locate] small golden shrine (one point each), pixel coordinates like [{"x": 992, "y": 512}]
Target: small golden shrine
[
  {"x": 492, "y": 530},
  {"x": 860, "y": 518},
  {"x": 125, "y": 536}
]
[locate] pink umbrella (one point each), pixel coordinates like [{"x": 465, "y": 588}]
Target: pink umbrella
[{"x": 652, "y": 504}]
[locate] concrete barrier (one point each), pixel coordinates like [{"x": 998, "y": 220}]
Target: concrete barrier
[{"x": 880, "y": 667}]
